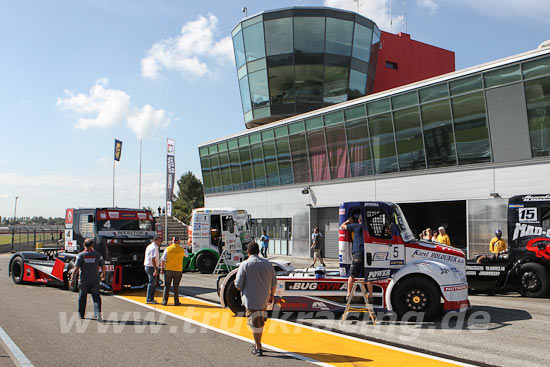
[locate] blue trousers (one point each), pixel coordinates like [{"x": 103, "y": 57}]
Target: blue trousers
[
  {"x": 152, "y": 284},
  {"x": 83, "y": 297}
]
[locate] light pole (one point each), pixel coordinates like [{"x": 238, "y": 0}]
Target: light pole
[{"x": 15, "y": 210}]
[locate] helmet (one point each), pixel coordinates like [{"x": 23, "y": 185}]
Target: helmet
[
  {"x": 320, "y": 272},
  {"x": 498, "y": 232}
]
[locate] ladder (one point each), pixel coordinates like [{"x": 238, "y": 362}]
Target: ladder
[
  {"x": 368, "y": 307},
  {"x": 221, "y": 262}
]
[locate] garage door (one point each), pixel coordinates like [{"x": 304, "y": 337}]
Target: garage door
[{"x": 327, "y": 221}]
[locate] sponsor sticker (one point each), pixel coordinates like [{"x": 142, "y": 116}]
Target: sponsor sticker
[
  {"x": 102, "y": 215},
  {"x": 142, "y": 216},
  {"x": 69, "y": 214},
  {"x": 379, "y": 274},
  {"x": 109, "y": 267},
  {"x": 380, "y": 256},
  {"x": 315, "y": 286},
  {"x": 342, "y": 211},
  {"x": 455, "y": 288},
  {"x": 114, "y": 215},
  {"x": 320, "y": 305},
  {"x": 397, "y": 262}
]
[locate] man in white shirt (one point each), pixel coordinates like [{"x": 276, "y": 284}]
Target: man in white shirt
[{"x": 151, "y": 264}]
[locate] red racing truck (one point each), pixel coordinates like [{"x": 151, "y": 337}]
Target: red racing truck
[
  {"x": 408, "y": 274},
  {"x": 121, "y": 236}
]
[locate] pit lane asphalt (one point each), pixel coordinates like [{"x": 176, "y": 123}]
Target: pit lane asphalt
[{"x": 31, "y": 316}]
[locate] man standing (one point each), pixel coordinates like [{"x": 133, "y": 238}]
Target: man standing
[
  {"x": 316, "y": 246},
  {"x": 257, "y": 282},
  {"x": 172, "y": 267},
  {"x": 357, "y": 269},
  {"x": 88, "y": 263},
  {"x": 151, "y": 264},
  {"x": 443, "y": 237},
  {"x": 265, "y": 243}
]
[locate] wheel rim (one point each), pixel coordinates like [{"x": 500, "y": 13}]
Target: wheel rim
[
  {"x": 16, "y": 271},
  {"x": 530, "y": 281},
  {"x": 416, "y": 299}
]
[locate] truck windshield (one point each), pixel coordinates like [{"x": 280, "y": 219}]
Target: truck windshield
[
  {"x": 402, "y": 224},
  {"x": 125, "y": 224}
]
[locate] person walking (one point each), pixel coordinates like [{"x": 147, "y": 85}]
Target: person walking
[
  {"x": 357, "y": 269},
  {"x": 88, "y": 263},
  {"x": 151, "y": 264},
  {"x": 257, "y": 282},
  {"x": 265, "y": 243},
  {"x": 443, "y": 237},
  {"x": 316, "y": 246},
  {"x": 172, "y": 267}
]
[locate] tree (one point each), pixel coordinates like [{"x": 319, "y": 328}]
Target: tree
[{"x": 190, "y": 196}]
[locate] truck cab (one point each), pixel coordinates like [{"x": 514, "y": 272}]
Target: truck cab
[
  {"x": 525, "y": 267},
  {"x": 212, "y": 231}
]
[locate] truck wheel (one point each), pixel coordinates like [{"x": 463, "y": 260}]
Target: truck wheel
[
  {"x": 206, "y": 262},
  {"x": 233, "y": 297},
  {"x": 74, "y": 286},
  {"x": 17, "y": 270},
  {"x": 416, "y": 295},
  {"x": 533, "y": 280}
]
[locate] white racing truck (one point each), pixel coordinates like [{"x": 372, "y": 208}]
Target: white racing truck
[
  {"x": 213, "y": 230},
  {"x": 408, "y": 274}
]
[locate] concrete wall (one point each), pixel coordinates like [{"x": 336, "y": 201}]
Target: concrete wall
[{"x": 289, "y": 202}]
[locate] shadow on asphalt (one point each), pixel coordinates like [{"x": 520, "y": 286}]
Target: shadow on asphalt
[
  {"x": 320, "y": 357},
  {"x": 195, "y": 291},
  {"x": 132, "y": 322}
]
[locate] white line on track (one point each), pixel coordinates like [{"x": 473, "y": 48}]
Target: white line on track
[
  {"x": 13, "y": 350},
  {"x": 323, "y": 331}
]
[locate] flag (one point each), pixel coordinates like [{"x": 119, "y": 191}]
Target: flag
[
  {"x": 118, "y": 149},
  {"x": 170, "y": 171}
]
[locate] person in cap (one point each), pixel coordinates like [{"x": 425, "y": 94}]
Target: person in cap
[
  {"x": 88, "y": 263},
  {"x": 443, "y": 237},
  {"x": 172, "y": 268},
  {"x": 257, "y": 282},
  {"x": 498, "y": 245},
  {"x": 152, "y": 263}
]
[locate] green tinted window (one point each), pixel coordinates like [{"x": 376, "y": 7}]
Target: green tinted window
[
  {"x": 243, "y": 141},
  {"x": 234, "y": 164},
  {"x": 333, "y": 118},
  {"x": 380, "y": 106},
  {"x": 300, "y": 162},
  {"x": 314, "y": 123},
  {"x": 309, "y": 34},
  {"x": 357, "y": 84},
  {"x": 502, "y": 76},
  {"x": 207, "y": 180},
  {"x": 335, "y": 88},
  {"x": 254, "y": 41},
  {"x": 537, "y": 95},
  {"x": 281, "y": 84},
  {"x": 433, "y": 93},
  {"x": 203, "y": 151},
  {"x": 410, "y": 146},
  {"x": 267, "y": 135},
  {"x": 246, "y": 167},
  {"x": 256, "y": 65},
  {"x": 258, "y": 165},
  {"x": 404, "y": 100},
  {"x": 278, "y": 36},
  {"x": 355, "y": 112},
  {"x": 535, "y": 68},
  {"x": 337, "y": 151},
  {"x": 338, "y": 36},
  {"x": 465, "y": 85},
  {"x": 232, "y": 144},
  {"x": 281, "y": 131},
  {"x": 255, "y": 138},
  {"x": 472, "y": 134},
  {"x": 359, "y": 145},
  {"x": 213, "y": 149},
  {"x": 222, "y": 147},
  {"x": 296, "y": 127},
  {"x": 438, "y": 134},
  {"x": 362, "y": 40},
  {"x": 283, "y": 159},
  {"x": 318, "y": 155},
  {"x": 271, "y": 163},
  {"x": 238, "y": 48},
  {"x": 383, "y": 143}
]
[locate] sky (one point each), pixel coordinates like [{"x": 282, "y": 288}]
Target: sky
[{"x": 75, "y": 75}]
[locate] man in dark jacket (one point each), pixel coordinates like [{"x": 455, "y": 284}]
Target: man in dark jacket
[{"x": 88, "y": 263}]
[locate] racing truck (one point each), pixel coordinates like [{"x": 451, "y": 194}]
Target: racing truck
[
  {"x": 525, "y": 267},
  {"x": 212, "y": 231},
  {"x": 121, "y": 236},
  {"x": 407, "y": 274}
]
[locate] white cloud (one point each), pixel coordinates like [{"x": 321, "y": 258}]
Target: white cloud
[
  {"x": 190, "y": 53},
  {"x": 377, "y": 10},
  {"x": 103, "y": 108},
  {"x": 109, "y": 106},
  {"x": 431, "y": 5},
  {"x": 143, "y": 121},
  {"x": 4, "y": 196}
]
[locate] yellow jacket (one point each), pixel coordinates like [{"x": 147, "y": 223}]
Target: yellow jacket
[
  {"x": 443, "y": 239},
  {"x": 173, "y": 257},
  {"x": 497, "y": 245}
]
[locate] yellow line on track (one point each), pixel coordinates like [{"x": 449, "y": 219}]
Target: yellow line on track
[{"x": 315, "y": 345}]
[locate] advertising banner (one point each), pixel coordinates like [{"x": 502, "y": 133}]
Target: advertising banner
[
  {"x": 118, "y": 150},
  {"x": 170, "y": 171}
]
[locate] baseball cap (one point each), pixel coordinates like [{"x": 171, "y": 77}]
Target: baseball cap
[{"x": 175, "y": 239}]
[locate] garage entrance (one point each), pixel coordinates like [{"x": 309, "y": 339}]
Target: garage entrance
[
  {"x": 328, "y": 223},
  {"x": 449, "y": 214}
]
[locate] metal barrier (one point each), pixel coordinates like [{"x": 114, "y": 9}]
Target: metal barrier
[{"x": 26, "y": 238}]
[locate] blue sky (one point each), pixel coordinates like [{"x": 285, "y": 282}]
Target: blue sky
[{"x": 75, "y": 75}]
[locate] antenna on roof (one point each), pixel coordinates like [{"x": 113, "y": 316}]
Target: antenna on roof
[
  {"x": 391, "y": 20},
  {"x": 245, "y": 11},
  {"x": 405, "y": 19}
]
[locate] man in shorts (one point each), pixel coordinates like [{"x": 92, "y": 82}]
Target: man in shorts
[
  {"x": 316, "y": 246},
  {"x": 354, "y": 225},
  {"x": 257, "y": 282}
]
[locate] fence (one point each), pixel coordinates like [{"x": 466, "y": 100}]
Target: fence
[{"x": 25, "y": 238}]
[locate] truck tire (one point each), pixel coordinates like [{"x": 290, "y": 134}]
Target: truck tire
[
  {"x": 416, "y": 294},
  {"x": 74, "y": 287},
  {"x": 533, "y": 280},
  {"x": 206, "y": 262},
  {"x": 16, "y": 270},
  {"x": 233, "y": 297}
]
